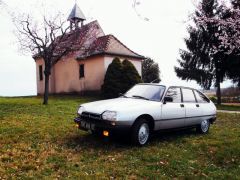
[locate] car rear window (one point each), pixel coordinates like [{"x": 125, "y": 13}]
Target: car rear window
[
  {"x": 188, "y": 95},
  {"x": 200, "y": 97}
]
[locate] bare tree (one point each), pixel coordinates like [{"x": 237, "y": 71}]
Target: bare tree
[
  {"x": 52, "y": 40},
  {"x": 135, "y": 5},
  {"x": 47, "y": 40},
  {"x": 2, "y": 4}
]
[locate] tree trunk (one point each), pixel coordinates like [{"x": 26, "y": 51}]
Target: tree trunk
[
  {"x": 46, "y": 90},
  {"x": 218, "y": 91}
]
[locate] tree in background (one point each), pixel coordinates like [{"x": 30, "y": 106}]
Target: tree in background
[
  {"x": 150, "y": 71},
  {"x": 231, "y": 91},
  {"x": 201, "y": 62},
  {"x": 119, "y": 78},
  {"x": 227, "y": 20},
  {"x": 234, "y": 57},
  {"x": 130, "y": 75},
  {"x": 112, "y": 85}
]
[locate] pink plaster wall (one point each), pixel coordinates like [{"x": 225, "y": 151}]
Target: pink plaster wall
[{"x": 65, "y": 74}]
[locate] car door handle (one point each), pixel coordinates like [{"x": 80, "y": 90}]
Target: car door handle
[
  {"x": 197, "y": 105},
  {"x": 181, "y": 105}
]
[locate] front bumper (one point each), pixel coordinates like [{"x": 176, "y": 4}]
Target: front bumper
[{"x": 101, "y": 125}]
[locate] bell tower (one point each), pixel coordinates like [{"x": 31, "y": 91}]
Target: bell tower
[{"x": 76, "y": 17}]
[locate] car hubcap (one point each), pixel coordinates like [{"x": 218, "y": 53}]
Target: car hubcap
[
  {"x": 205, "y": 125},
  {"x": 143, "y": 133}
]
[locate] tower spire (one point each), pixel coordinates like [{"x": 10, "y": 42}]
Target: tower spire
[{"x": 75, "y": 17}]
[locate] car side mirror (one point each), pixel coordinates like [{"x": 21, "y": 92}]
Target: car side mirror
[{"x": 167, "y": 99}]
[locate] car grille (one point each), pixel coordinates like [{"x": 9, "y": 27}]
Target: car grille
[{"x": 90, "y": 116}]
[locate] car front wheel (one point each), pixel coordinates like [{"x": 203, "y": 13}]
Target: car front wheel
[
  {"x": 203, "y": 128},
  {"x": 140, "y": 132}
]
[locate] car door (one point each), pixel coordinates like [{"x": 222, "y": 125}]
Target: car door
[
  {"x": 173, "y": 113},
  {"x": 192, "y": 108}
]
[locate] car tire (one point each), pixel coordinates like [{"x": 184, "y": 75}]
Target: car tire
[
  {"x": 203, "y": 128},
  {"x": 140, "y": 132}
]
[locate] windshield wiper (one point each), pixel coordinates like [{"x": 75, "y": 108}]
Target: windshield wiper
[{"x": 141, "y": 97}]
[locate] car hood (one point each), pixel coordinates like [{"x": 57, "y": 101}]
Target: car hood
[{"x": 117, "y": 104}]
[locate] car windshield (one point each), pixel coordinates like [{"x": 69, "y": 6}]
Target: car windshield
[{"x": 146, "y": 91}]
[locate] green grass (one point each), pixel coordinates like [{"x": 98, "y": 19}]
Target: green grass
[
  {"x": 228, "y": 107},
  {"x": 39, "y": 141}
]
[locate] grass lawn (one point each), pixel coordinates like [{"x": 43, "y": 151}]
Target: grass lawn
[
  {"x": 229, "y": 107},
  {"x": 39, "y": 141}
]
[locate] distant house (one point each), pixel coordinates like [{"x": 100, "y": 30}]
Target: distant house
[{"x": 84, "y": 69}]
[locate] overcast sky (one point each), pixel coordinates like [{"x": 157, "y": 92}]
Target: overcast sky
[{"x": 159, "y": 38}]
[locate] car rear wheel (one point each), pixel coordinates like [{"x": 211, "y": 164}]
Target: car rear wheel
[
  {"x": 203, "y": 128},
  {"x": 140, "y": 132}
]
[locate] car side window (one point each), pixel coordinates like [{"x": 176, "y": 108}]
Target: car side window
[
  {"x": 175, "y": 93},
  {"x": 200, "y": 97},
  {"x": 188, "y": 95}
]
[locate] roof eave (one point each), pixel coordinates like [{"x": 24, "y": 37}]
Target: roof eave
[{"x": 111, "y": 54}]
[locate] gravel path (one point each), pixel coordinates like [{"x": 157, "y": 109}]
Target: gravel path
[{"x": 225, "y": 111}]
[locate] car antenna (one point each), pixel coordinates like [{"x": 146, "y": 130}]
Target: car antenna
[{"x": 154, "y": 80}]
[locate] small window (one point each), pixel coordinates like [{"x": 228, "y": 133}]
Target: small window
[
  {"x": 81, "y": 71},
  {"x": 175, "y": 93},
  {"x": 40, "y": 69},
  {"x": 188, "y": 95},
  {"x": 200, "y": 97}
]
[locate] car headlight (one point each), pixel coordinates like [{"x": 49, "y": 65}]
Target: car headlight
[
  {"x": 80, "y": 110},
  {"x": 110, "y": 115}
]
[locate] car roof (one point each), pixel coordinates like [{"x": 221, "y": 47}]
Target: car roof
[{"x": 167, "y": 86}]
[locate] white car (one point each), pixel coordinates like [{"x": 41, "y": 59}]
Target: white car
[{"x": 146, "y": 108}]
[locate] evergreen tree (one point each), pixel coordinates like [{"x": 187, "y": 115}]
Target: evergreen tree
[
  {"x": 150, "y": 71},
  {"x": 233, "y": 68},
  {"x": 119, "y": 78},
  {"x": 200, "y": 62},
  {"x": 113, "y": 80},
  {"x": 130, "y": 75}
]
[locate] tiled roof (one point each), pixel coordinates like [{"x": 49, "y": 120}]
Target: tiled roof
[
  {"x": 108, "y": 44},
  {"x": 78, "y": 39},
  {"x": 90, "y": 40},
  {"x": 117, "y": 47}
]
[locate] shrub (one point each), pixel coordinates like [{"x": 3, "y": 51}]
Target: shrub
[
  {"x": 112, "y": 81},
  {"x": 119, "y": 78},
  {"x": 150, "y": 71},
  {"x": 130, "y": 75},
  {"x": 213, "y": 99}
]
